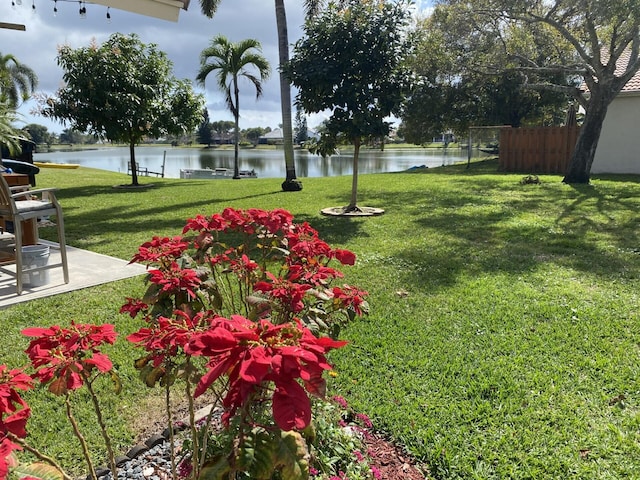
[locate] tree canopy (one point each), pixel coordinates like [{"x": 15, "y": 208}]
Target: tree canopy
[
  {"x": 465, "y": 80},
  {"x": 350, "y": 62},
  {"x": 124, "y": 91},
  {"x": 591, "y": 50}
]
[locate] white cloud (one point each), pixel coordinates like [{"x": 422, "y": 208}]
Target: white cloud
[{"x": 182, "y": 41}]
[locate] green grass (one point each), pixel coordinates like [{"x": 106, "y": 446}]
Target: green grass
[{"x": 504, "y": 318}]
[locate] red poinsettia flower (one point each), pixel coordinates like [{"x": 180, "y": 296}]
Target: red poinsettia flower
[
  {"x": 14, "y": 411},
  {"x": 304, "y": 243},
  {"x": 350, "y": 296},
  {"x": 345, "y": 257},
  {"x": 198, "y": 223},
  {"x": 169, "y": 335},
  {"x": 62, "y": 356},
  {"x": 160, "y": 249},
  {"x": 133, "y": 307},
  {"x": 288, "y": 293},
  {"x": 176, "y": 279},
  {"x": 243, "y": 267},
  {"x": 6, "y": 447},
  {"x": 254, "y": 353},
  {"x": 273, "y": 221}
]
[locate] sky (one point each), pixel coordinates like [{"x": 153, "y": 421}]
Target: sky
[{"x": 182, "y": 41}]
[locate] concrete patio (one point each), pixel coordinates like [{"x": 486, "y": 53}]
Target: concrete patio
[{"x": 86, "y": 269}]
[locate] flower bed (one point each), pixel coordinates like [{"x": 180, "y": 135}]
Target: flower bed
[{"x": 243, "y": 305}]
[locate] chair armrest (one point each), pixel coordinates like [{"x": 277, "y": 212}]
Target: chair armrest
[{"x": 31, "y": 192}]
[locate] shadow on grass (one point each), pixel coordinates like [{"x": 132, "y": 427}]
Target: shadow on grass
[
  {"x": 136, "y": 210},
  {"x": 485, "y": 225}
]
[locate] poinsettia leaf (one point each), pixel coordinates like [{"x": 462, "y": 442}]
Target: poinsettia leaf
[
  {"x": 256, "y": 454},
  {"x": 316, "y": 384},
  {"x": 215, "y": 469},
  {"x": 293, "y": 456},
  {"x": 38, "y": 470},
  {"x": 152, "y": 376},
  {"x": 58, "y": 386},
  {"x": 140, "y": 363},
  {"x": 254, "y": 368},
  {"x": 101, "y": 362},
  {"x": 291, "y": 406}
]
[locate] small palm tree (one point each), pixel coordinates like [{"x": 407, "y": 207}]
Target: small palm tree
[
  {"x": 17, "y": 81},
  {"x": 231, "y": 61}
]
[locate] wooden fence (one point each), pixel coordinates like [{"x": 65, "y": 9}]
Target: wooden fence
[{"x": 537, "y": 149}]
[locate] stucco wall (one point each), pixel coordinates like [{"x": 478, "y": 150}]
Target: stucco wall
[{"x": 619, "y": 146}]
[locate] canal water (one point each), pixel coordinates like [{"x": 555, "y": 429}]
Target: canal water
[{"x": 266, "y": 163}]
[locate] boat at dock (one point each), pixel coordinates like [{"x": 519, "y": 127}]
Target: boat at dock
[{"x": 215, "y": 174}]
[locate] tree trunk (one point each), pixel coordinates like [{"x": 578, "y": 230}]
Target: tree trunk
[
  {"x": 579, "y": 170},
  {"x": 236, "y": 133},
  {"x": 291, "y": 183},
  {"x": 134, "y": 165},
  {"x": 353, "y": 205}
]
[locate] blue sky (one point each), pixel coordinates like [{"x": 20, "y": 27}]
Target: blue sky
[{"x": 182, "y": 41}]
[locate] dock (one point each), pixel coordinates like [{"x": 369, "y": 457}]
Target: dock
[{"x": 144, "y": 171}]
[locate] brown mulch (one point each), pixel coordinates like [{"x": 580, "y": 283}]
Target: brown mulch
[
  {"x": 389, "y": 459},
  {"x": 392, "y": 462}
]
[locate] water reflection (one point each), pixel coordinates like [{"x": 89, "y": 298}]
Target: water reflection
[{"x": 267, "y": 163}]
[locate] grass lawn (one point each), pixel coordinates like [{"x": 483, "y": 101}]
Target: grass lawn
[{"x": 504, "y": 334}]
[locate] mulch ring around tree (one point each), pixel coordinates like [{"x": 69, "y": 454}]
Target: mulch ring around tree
[
  {"x": 129, "y": 186},
  {"x": 356, "y": 211}
]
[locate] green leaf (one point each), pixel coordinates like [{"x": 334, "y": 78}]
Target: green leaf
[
  {"x": 117, "y": 384},
  {"x": 293, "y": 456},
  {"x": 256, "y": 454},
  {"x": 216, "y": 469}
]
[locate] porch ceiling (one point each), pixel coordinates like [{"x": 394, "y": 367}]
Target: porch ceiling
[{"x": 163, "y": 9}]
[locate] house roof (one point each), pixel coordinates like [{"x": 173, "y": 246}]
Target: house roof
[
  {"x": 274, "y": 134},
  {"x": 632, "y": 87}
]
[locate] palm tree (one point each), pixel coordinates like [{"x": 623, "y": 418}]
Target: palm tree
[
  {"x": 231, "y": 61},
  {"x": 10, "y": 136},
  {"x": 17, "y": 81},
  {"x": 209, "y": 7}
]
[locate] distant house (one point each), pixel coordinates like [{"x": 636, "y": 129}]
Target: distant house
[
  {"x": 618, "y": 149},
  {"x": 274, "y": 137}
]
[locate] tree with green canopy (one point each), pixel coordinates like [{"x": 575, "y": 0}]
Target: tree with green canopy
[
  {"x": 350, "y": 62},
  {"x": 457, "y": 88},
  {"x": 124, "y": 91},
  {"x": 17, "y": 81},
  {"x": 204, "y": 134},
  {"x": 39, "y": 134},
  {"x": 301, "y": 130},
  {"x": 596, "y": 52},
  {"x": 231, "y": 61}
]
